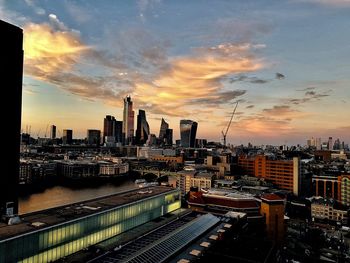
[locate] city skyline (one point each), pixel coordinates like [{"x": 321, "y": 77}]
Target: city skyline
[{"x": 288, "y": 69}]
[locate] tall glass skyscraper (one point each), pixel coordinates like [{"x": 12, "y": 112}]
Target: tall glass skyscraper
[
  {"x": 142, "y": 130},
  {"x": 188, "y": 130},
  {"x": 128, "y": 119}
]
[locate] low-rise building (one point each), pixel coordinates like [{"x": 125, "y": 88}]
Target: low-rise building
[
  {"x": 112, "y": 169},
  {"x": 328, "y": 209},
  {"x": 202, "y": 180},
  {"x": 224, "y": 201}
]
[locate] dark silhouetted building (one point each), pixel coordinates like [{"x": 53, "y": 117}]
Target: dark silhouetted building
[
  {"x": 128, "y": 120},
  {"x": 168, "y": 139},
  {"x": 112, "y": 128},
  {"x": 67, "y": 137},
  {"x": 11, "y": 75},
  {"x": 163, "y": 127},
  {"x": 108, "y": 126},
  {"x": 188, "y": 130},
  {"x": 119, "y": 137},
  {"x": 94, "y": 137},
  {"x": 142, "y": 131},
  {"x": 53, "y": 132}
]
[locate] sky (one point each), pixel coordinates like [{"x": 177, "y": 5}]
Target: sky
[{"x": 285, "y": 62}]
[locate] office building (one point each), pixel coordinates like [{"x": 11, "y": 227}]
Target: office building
[
  {"x": 142, "y": 131},
  {"x": 53, "y": 132},
  {"x": 52, "y": 234},
  {"x": 112, "y": 129},
  {"x": 109, "y": 126},
  {"x": 202, "y": 180},
  {"x": 184, "y": 179},
  {"x": 168, "y": 139},
  {"x": 285, "y": 174},
  {"x": 11, "y": 62},
  {"x": 344, "y": 192},
  {"x": 162, "y": 132},
  {"x": 330, "y": 143},
  {"x": 326, "y": 186},
  {"x": 128, "y": 120},
  {"x": 93, "y": 137},
  {"x": 67, "y": 137},
  {"x": 188, "y": 130},
  {"x": 318, "y": 144}
]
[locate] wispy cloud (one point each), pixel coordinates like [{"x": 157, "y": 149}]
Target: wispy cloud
[
  {"x": 329, "y": 3},
  {"x": 253, "y": 80},
  {"x": 48, "y": 52},
  {"x": 37, "y": 9},
  {"x": 310, "y": 95},
  {"x": 197, "y": 79}
]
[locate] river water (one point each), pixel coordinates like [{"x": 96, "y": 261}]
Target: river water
[{"x": 61, "y": 195}]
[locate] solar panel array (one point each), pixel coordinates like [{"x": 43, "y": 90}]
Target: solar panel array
[{"x": 163, "y": 243}]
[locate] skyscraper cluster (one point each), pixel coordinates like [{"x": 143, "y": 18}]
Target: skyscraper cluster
[{"x": 123, "y": 132}]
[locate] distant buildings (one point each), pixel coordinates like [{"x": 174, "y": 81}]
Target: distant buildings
[
  {"x": 330, "y": 143},
  {"x": 67, "y": 137},
  {"x": 142, "y": 131},
  {"x": 188, "y": 130},
  {"x": 93, "y": 137},
  {"x": 11, "y": 53},
  {"x": 53, "y": 132},
  {"x": 112, "y": 130},
  {"x": 128, "y": 120},
  {"x": 165, "y": 134},
  {"x": 163, "y": 127},
  {"x": 168, "y": 139}
]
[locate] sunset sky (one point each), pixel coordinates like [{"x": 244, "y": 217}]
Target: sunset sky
[{"x": 287, "y": 62}]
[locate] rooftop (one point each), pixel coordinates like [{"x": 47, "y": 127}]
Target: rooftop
[
  {"x": 272, "y": 198},
  {"x": 50, "y": 217}
]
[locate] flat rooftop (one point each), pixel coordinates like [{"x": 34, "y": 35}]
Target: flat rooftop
[{"x": 53, "y": 216}]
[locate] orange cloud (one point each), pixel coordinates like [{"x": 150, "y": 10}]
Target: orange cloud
[
  {"x": 47, "y": 52},
  {"x": 196, "y": 80}
]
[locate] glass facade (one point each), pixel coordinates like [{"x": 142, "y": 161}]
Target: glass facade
[
  {"x": 49, "y": 244},
  {"x": 188, "y": 130}
]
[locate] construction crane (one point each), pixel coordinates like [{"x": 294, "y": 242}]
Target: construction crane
[
  {"x": 47, "y": 126},
  {"x": 38, "y": 133},
  {"x": 228, "y": 126}
]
